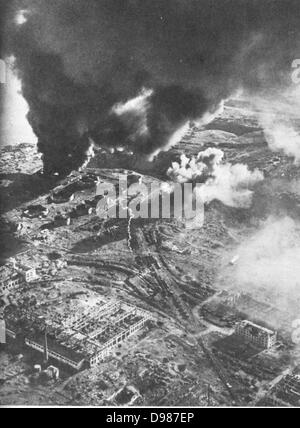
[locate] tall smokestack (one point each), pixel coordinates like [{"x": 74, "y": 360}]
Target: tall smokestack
[
  {"x": 46, "y": 352},
  {"x": 2, "y": 332}
]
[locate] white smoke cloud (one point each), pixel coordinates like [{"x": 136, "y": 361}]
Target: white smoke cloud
[
  {"x": 134, "y": 113},
  {"x": 14, "y": 126},
  {"x": 271, "y": 258},
  {"x": 230, "y": 184},
  {"x": 280, "y": 121},
  {"x": 282, "y": 137},
  {"x": 21, "y": 16}
]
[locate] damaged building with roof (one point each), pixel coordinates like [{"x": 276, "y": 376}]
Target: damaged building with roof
[
  {"x": 256, "y": 334},
  {"x": 288, "y": 390},
  {"x": 55, "y": 350},
  {"x": 14, "y": 276},
  {"x": 86, "y": 337}
]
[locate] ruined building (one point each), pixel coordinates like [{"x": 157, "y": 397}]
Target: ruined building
[{"x": 256, "y": 334}]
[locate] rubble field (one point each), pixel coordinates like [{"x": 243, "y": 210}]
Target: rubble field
[{"x": 187, "y": 354}]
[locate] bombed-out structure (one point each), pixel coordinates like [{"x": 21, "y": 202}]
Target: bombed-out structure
[
  {"x": 84, "y": 337},
  {"x": 256, "y": 334}
]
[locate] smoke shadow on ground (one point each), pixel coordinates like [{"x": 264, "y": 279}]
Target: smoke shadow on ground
[
  {"x": 10, "y": 246},
  {"x": 231, "y": 127},
  {"x": 113, "y": 231},
  {"x": 94, "y": 243},
  {"x": 23, "y": 188}
]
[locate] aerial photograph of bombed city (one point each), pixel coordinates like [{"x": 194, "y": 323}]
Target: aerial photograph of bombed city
[{"x": 150, "y": 203}]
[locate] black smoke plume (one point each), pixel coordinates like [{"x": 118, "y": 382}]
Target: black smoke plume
[{"x": 82, "y": 61}]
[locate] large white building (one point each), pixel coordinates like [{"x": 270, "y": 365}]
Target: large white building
[{"x": 256, "y": 334}]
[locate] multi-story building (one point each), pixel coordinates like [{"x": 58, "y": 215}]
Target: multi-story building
[
  {"x": 10, "y": 280},
  {"x": 12, "y": 277},
  {"x": 29, "y": 273},
  {"x": 256, "y": 334}
]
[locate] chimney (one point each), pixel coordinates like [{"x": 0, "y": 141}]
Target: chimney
[
  {"x": 2, "y": 332},
  {"x": 46, "y": 353}
]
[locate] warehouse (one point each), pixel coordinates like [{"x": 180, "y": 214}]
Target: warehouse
[
  {"x": 55, "y": 350},
  {"x": 90, "y": 336}
]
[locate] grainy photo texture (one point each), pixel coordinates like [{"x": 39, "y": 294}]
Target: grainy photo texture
[{"x": 150, "y": 206}]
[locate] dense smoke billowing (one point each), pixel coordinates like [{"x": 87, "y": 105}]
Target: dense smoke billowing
[
  {"x": 79, "y": 59},
  {"x": 230, "y": 184},
  {"x": 271, "y": 259}
]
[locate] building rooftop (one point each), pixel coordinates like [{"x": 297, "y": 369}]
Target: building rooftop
[
  {"x": 26, "y": 268},
  {"x": 256, "y": 329},
  {"x": 54, "y": 346}
]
